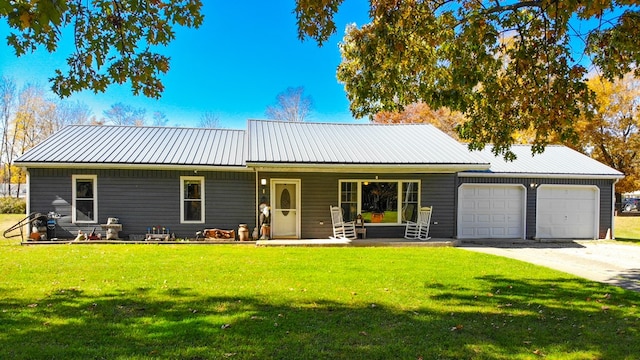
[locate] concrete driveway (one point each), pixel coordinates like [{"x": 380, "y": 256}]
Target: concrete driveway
[{"x": 599, "y": 260}]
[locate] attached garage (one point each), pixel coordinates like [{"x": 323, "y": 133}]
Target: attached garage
[
  {"x": 491, "y": 211},
  {"x": 565, "y": 195},
  {"x": 567, "y": 212}
]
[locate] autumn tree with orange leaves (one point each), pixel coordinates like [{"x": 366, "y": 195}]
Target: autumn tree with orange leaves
[
  {"x": 612, "y": 135},
  {"x": 443, "y": 118}
]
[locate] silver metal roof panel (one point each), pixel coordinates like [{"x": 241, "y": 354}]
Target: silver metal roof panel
[
  {"x": 90, "y": 144},
  {"x": 375, "y": 144},
  {"x": 555, "y": 160}
]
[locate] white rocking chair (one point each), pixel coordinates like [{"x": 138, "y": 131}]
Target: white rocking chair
[
  {"x": 419, "y": 229},
  {"x": 342, "y": 229}
]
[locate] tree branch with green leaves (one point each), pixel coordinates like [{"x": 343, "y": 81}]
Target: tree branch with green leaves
[
  {"x": 507, "y": 66},
  {"x": 115, "y": 41}
]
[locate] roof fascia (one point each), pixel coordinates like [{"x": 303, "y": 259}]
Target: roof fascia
[
  {"x": 367, "y": 168},
  {"x": 540, "y": 175},
  {"x": 50, "y": 165}
]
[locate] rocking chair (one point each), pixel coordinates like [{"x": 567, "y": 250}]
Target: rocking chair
[
  {"x": 342, "y": 229},
  {"x": 419, "y": 229}
]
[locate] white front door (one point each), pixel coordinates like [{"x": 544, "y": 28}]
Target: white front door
[{"x": 285, "y": 208}]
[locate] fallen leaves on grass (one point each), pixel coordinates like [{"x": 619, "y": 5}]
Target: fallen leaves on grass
[{"x": 539, "y": 353}]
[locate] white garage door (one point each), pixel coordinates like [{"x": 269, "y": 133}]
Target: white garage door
[
  {"x": 567, "y": 212},
  {"x": 488, "y": 211}
]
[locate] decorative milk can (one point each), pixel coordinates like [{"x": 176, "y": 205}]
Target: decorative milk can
[{"x": 243, "y": 232}]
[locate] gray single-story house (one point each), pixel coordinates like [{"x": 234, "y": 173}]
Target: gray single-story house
[{"x": 187, "y": 179}]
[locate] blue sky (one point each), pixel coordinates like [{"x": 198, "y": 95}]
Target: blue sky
[{"x": 234, "y": 65}]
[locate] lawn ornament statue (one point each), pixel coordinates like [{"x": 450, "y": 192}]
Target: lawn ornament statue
[{"x": 265, "y": 221}]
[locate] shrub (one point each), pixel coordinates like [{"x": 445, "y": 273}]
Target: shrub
[{"x": 11, "y": 205}]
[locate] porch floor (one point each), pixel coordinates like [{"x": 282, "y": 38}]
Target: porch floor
[
  {"x": 393, "y": 242},
  {"x": 389, "y": 242}
]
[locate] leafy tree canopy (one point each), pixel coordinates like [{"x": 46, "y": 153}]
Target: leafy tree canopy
[
  {"x": 114, "y": 39},
  {"x": 613, "y": 133},
  {"x": 509, "y": 66}
]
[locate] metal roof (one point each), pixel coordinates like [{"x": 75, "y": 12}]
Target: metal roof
[
  {"x": 280, "y": 143},
  {"x": 135, "y": 145},
  {"x": 555, "y": 160},
  {"x": 372, "y": 144}
]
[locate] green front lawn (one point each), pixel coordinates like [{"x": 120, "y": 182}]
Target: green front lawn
[
  {"x": 627, "y": 228},
  {"x": 239, "y": 302},
  {"x": 7, "y": 221}
]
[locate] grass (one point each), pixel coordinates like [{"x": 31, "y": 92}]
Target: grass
[
  {"x": 627, "y": 228},
  {"x": 238, "y": 302}
]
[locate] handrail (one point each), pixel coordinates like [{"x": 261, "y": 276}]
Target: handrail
[{"x": 20, "y": 225}]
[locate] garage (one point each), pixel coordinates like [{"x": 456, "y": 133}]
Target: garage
[
  {"x": 491, "y": 211},
  {"x": 567, "y": 212}
]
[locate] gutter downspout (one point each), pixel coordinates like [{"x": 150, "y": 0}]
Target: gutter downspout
[
  {"x": 611, "y": 235},
  {"x": 257, "y": 203},
  {"x": 28, "y": 202}
]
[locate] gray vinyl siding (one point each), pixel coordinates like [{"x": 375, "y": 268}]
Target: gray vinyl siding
[
  {"x": 145, "y": 198},
  {"x": 604, "y": 185},
  {"x": 320, "y": 190}
]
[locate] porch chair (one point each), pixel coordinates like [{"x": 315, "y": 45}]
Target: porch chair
[
  {"x": 420, "y": 228},
  {"x": 342, "y": 229}
]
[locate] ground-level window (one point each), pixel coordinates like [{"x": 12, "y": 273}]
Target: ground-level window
[
  {"x": 192, "y": 199},
  {"x": 380, "y": 201},
  {"x": 84, "y": 199}
]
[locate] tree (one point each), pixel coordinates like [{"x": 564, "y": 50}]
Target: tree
[
  {"x": 291, "y": 105},
  {"x": 122, "y": 114},
  {"x": 34, "y": 120},
  {"x": 613, "y": 134},
  {"x": 28, "y": 117},
  {"x": 209, "y": 120},
  {"x": 7, "y": 109},
  {"x": 443, "y": 118},
  {"x": 68, "y": 113},
  {"x": 453, "y": 54},
  {"x": 31, "y": 119},
  {"x": 159, "y": 119},
  {"x": 114, "y": 40}
]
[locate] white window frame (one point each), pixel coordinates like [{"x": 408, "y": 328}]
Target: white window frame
[
  {"x": 183, "y": 179},
  {"x": 400, "y": 182},
  {"x": 74, "y": 183}
]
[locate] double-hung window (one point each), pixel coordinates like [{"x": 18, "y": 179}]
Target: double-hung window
[
  {"x": 380, "y": 201},
  {"x": 84, "y": 199},
  {"x": 192, "y": 199}
]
